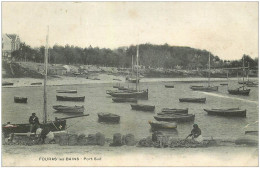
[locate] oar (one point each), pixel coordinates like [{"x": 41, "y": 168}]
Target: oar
[{"x": 70, "y": 117}]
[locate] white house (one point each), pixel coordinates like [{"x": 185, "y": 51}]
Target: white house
[{"x": 10, "y": 43}]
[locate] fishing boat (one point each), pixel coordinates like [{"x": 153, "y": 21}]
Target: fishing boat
[
  {"x": 174, "y": 110},
  {"x": 162, "y": 125},
  {"x": 70, "y": 98},
  {"x": 59, "y": 124},
  {"x": 169, "y": 86},
  {"x": 223, "y": 84},
  {"x": 139, "y": 94},
  {"x": 20, "y": 99},
  {"x": 175, "y": 118},
  {"x": 122, "y": 100},
  {"x": 66, "y": 91},
  {"x": 241, "y": 90},
  {"x": 234, "y": 112},
  {"x": 108, "y": 117},
  {"x": 69, "y": 109},
  {"x": 193, "y": 100},
  {"x": 7, "y": 84},
  {"x": 207, "y": 88},
  {"x": 37, "y": 83},
  {"x": 142, "y": 107}
]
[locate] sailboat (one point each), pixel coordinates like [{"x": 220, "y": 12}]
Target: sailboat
[
  {"x": 139, "y": 94},
  {"x": 205, "y": 88},
  {"x": 59, "y": 124},
  {"x": 132, "y": 78},
  {"x": 241, "y": 90}
]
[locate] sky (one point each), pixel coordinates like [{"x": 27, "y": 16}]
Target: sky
[{"x": 227, "y": 29}]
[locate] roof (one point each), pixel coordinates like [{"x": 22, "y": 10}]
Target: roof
[{"x": 12, "y": 36}]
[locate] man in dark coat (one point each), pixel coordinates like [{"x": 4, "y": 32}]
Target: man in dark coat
[
  {"x": 34, "y": 122},
  {"x": 195, "y": 132}
]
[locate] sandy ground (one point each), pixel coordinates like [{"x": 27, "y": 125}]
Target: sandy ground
[{"x": 55, "y": 155}]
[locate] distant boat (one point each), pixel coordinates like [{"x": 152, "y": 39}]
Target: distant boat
[
  {"x": 69, "y": 98},
  {"x": 169, "y": 110},
  {"x": 142, "y": 107},
  {"x": 38, "y": 83},
  {"x": 207, "y": 88},
  {"x": 238, "y": 91},
  {"x": 20, "y": 99},
  {"x": 94, "y": 78},
  {"x": 66, "y": 91},
  {"x": 122, "y": 88},
  {"x": 169, "y": 86},
  {"x": 193, "y": 100},
  {"x": 223, "y": 84},
  {"x": 108, "y": 117},
  {"x": 241, "y": 90},
  {"x": 131, "y": 94},
  {"x": 69, "y": 109},
  {"x": 251, "y": 84},
  {"x": 162, "y": 125},
  {"x": 232, "y": 112},
  {"x": 117, "y": 79},
  {"x": 177, "y": 118},
  {"x": 7, "y": 84},
  {"x": 122, "y": 100}
]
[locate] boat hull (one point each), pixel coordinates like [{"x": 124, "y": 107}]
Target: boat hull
[
  {"x": 193, "y": 100},
  {"x": 20, "y": 100},
  {"x": 183, "y": 118},
  {"x": 122, "y": 100},
  {"x": 58, "y": 125},
  {"x": 169, "y": 86},
  {"x": 142, "y": 107},
  {"x": 204, "y": 88},
  {"x": 167, "y": 110},
  {"x": 239, "y": 92},
  {"x": 138, "y": 95},
  {"x": 67, "y": 98},
  {"x": 108, "y": 117},
  {"x": 227, "y": 113},
  {"x": 69, "y": 109},
  {"x": 66, "y": 91}
]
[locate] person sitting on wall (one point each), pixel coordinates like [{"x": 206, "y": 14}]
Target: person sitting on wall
[{"x": 34, "y": 122}]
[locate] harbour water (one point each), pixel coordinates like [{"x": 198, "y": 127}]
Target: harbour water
[{"x": 136, "y": 122}]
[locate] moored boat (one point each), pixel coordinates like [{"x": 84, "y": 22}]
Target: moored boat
[
  {"x": 193, "y": 100},
  {"x": 162, "y": 125},
  {"x": 122, "y": 100},
  {"x": 66, "y": 91},
  {"x": 20, "y": 99},
  {"x": 169, "y": 86},
  {"x": 69, "y": 109},
  {"x": 37, "y": 83},
  {"x": 175, "y": 118},
  {"x": 70, "y": 98},
  {"x": 204, "y": 88},
  {"x": 239, "y": 91},
  {"x": 223, "y": 84},
  {"x": 7, "y": 84},
  {"x": 173, "y": 110},
  {"x": 142, "y": 107},
  {"x": 131, "y": 94},
  {"x": 108, "y": 117},
  {"x": 232, "y": 112}
]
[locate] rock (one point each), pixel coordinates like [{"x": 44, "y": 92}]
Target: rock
[
  {"x": 100, "y": 139},
  {"x": 82, "y": 140},
  {"x": 117, "y": 140},
  {"x": 130, "y": 140},
  {"x": 146, "y": 142},
  {"x": 73, "y": 140},
  {"x": 64, "y": 139},
  {"x": 91, "y": 139}
]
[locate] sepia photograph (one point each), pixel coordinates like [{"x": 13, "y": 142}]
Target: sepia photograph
[{"x": 130, "y": 84}]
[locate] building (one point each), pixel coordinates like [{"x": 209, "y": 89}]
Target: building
[{"x": 10, "y": 43}]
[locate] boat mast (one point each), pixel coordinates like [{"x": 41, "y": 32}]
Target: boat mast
[
  {"x": 132, "y": 64},
  {"x": 137, "y": 53},
  {"x": 248, "y": 72},
  {"x": 45, "y": 79},
  {"x": 209, "y": 71},
  {"x": 243, "y": 73}
]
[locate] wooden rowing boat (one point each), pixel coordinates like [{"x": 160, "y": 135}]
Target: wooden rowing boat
[
  {"x": 69, "y": 109},
  {"x": 66, "y": 91},
  {"x": 162, "y": 125},
  {"x": 108, "y": 117},
  {"x": 20, "y": 99},
  {"x": 70, "y": 98},
  {"x": 142, "y": 107},
  {"x": 174, "y": 110},
  {"x": 122, "y": 100},
  {"x": 175, "y": 118},
  {"x": 193, "y": 100},
  {"x": 232, "y": 112}
]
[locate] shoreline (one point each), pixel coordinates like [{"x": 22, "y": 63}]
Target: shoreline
[{"x": 105, "y": 79}]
